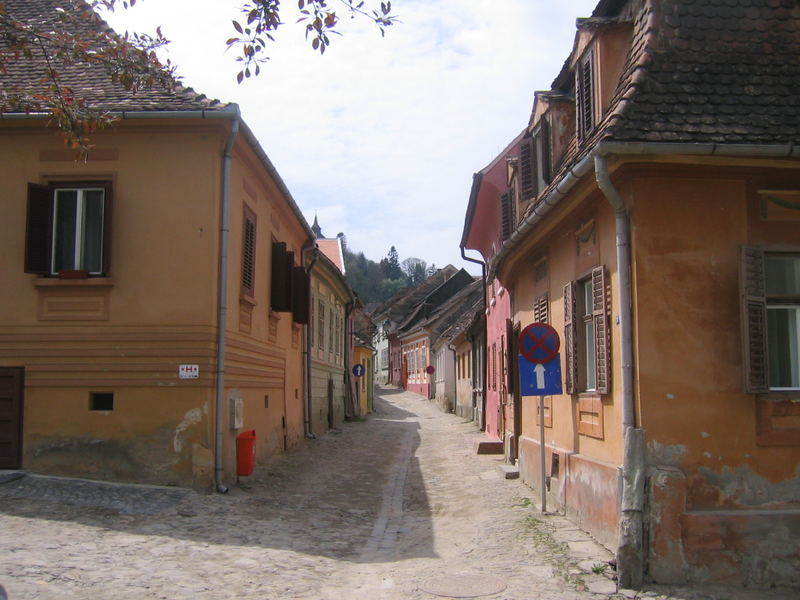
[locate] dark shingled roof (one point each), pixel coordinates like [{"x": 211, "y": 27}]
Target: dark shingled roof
[
  {"x": 91, "y": 82},
  {"x": 722, "y": 71}
]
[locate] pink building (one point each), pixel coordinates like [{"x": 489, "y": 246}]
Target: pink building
[{"x": 489, "y": 217}]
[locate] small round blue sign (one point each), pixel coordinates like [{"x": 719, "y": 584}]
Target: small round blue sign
[{"x": 359, "y": 370}]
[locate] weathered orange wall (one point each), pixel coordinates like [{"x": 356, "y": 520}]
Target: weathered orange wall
[{"x": 128, "y": 333}]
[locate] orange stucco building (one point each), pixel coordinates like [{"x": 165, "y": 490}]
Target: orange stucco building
[
  {"x": 656, "y": 230},
  {"x": 148, "y": 314}
]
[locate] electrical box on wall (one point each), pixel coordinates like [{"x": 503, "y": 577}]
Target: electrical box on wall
[{"x": 237, "y": 413}]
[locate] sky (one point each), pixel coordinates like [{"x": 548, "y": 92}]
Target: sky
[{"x": 379, "y": 138}]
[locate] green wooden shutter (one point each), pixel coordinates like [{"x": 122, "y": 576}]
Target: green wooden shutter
[
  {"x": 601, "y": 337},
  {"x": 753, "y": 300},
  {"x": 570, "y": 348},
  {"x": 37, "y": 230}
]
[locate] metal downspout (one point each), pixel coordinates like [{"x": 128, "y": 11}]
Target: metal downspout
[
  {"x": 307, "y": 351},
  {"x": 485, "y": 337},
  {"x": 222, "y": 292},
  {"x": 630, "y": 552}
]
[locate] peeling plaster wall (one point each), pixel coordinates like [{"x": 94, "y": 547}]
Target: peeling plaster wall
[{"x": 723, "y": 504}]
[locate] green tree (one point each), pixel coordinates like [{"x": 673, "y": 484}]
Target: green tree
[
  {"x": 391, "y": 265},
  {"x": 61, "y": 39}
]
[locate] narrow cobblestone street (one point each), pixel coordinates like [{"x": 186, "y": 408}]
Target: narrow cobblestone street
[{"x": 398, "y": 506}]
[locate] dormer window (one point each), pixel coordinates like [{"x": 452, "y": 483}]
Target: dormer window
[{"x": 584, "y": 95}]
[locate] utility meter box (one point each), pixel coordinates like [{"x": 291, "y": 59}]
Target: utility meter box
[{"x": 237, "y": 413}]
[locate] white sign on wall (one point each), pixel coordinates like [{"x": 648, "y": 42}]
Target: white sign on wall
[{"x": 188, "y": 371}]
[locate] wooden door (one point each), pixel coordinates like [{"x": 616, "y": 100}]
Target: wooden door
[{"x": 12, "y": 385}]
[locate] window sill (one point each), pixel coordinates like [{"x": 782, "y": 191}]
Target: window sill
[
  {"x": 51, "y": 282},
  {"x": 247, "y": 300}
]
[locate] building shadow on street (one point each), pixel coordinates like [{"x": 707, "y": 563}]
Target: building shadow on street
[{"x": 333, "y": 497}]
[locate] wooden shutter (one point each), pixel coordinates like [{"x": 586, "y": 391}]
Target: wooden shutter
[
  {"x": 541, "y": 307},
  {"x": 301, "y": 285},
  {"x": 584, "y": 96},
  {"x": 570, "y": 349},
  {"x": 544, "y": 167},
  {"x": 107, "y": 214},
  {"x": 601, "y": 337},
  {"x": 512, "y": 335},
  {"x": 527, "y": 169},
  {"x": 752, "y": 293},
  {"x": 280, "y": 297},
  {"x": 38, "y": 230},
  {"x": 248, "y": 252},
  {"x": 506, "y": 215}
]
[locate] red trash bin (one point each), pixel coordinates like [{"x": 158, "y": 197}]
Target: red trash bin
[{"x": 246, "y": 452}]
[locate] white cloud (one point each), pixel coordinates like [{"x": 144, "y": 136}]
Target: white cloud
[{"x": 380, "y": 137}]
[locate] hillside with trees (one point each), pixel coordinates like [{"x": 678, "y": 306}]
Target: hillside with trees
[{"x": 379, "y": 281}]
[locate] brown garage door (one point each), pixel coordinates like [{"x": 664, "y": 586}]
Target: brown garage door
[{"x": 11, "y": 388}]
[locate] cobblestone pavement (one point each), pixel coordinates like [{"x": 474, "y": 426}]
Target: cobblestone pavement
[{"x": 398, "y": 506}]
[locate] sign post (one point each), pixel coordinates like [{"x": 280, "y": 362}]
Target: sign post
[
  {"x": 540, "y": 374},
  {"x": 358, "y": 371}
]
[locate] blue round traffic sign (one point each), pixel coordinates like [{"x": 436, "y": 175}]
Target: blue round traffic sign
[
  {"x": 539, "y": 343},
  {"x": 359, "y": 370}
]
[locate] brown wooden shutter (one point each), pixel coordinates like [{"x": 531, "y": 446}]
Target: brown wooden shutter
[
  {"x": 527, "y": 170},
  {"x": 248, "y": 252},
  {"x": 541, "y": 307},
  {"x": 544, "y": 168},
  {"x": 512, "y": 336},
  {"x": 301, "y": 286},
  {"x": 584, "y": 96},
  {"x": 38, "y": 230},
  {"x": 601, "y": 337},
  {"x": 280, "y": 292},
  {"x": 506, "y": 215},
  {"x": 752, "y": 292},
  {"x": 570, "y": 349},
  {"x": 107, "y": 216}
]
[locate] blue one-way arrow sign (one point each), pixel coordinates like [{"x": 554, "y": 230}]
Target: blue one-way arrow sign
[{"x": 542, "y": 379}]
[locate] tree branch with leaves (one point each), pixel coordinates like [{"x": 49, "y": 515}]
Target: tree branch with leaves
[{"x": 73, "y": 37}]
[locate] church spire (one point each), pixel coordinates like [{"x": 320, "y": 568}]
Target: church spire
[{"x": 317, "y": 229}]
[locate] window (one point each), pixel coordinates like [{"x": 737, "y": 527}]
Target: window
[
  {"x": 101, "y": 401},
  {"x": 584, "y": 96},
  {"x": 586, "y": 340},
  {"x": 770, "y": 291},
  {"x": 321, "y": 325},
  {"x": 311, "y": 323},
  {"x": 68, "y": 228},
  {"x": 248, "y": 252},
  {"x": 331, "y": 339}
]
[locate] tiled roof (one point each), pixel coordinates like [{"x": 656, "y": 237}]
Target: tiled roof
[
  {"x": 332, "y": 248},
  {"x": 711, "y": 71},
  {"x": 91, "y": 82}
]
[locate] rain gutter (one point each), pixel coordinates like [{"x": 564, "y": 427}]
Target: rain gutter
[
  {"x": 631, "y": 550},
  {"x": 485, "y": 337},
  {"x": 310, "y": 246},
  {"x": 222, "y": 309},
  {"x": 477, "y": 179}
]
